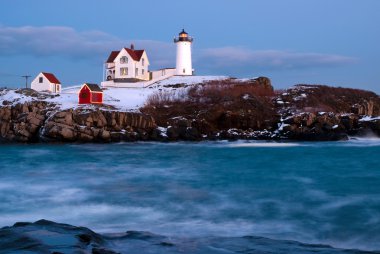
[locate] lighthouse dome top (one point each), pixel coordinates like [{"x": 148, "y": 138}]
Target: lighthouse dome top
[
  {"x": 182, "y": 32},
  {"x": 183, "y": 36}
]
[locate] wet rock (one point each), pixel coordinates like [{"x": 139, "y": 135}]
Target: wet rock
[
  {"x": 67, "y": 133},
  {"x": 47, "y": 237},
  {"x": 105, "y": 135},
  {"x": 172, "y": 133},
  {"x": 363, "y": 108},
  {"x": 103, "y": 251}
]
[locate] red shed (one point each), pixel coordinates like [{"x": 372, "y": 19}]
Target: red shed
[{"x": 90, "y": 93}]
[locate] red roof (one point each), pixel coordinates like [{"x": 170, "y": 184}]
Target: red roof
[
  {"x": 135, "y": 54},
  {"x": 112, "y": 56},
  {"x": 93, "y": 87},
  {"x": 51, "y": 78}
]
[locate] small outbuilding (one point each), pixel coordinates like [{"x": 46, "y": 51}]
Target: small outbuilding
[
  {"x": 90, "y": 94},
  {"x": 46, "y": 82}
]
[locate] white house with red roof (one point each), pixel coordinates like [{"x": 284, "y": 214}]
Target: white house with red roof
[
  {"x": 130, "y": 68},
  {"x": 127, "y": 65},
  {"x": 46, "y": 82}
]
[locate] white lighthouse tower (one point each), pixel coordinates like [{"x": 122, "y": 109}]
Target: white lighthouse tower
[{"x": 183, "y": 64}]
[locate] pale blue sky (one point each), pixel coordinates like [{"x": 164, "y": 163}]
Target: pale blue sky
[{"x": 333, "y": 42}]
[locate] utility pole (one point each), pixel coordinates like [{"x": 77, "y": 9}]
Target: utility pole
[{"x": 26, "y": 80}]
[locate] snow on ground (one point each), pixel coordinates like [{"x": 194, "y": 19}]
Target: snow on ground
[
  {"x": 66, "y": 100},
  {"x": 187, "y": 80},
  {"x": 134, "y": 98},
  {"x": 369, "y": 118},
  {"x": 245, "y": 79},
  {"x": 121, "y": 98},
  {"x": 127, "y": 98},
  {"x": 282, "y": 125},
  {"x": 12, "y": 96}
]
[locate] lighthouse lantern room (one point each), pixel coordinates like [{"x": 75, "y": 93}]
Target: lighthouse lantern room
[{"x": 183, "y": 64}]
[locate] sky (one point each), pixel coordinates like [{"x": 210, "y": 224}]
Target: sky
[{"x": 331, "y": 42}]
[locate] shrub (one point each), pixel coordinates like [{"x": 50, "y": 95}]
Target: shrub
[{"x": 243, "y": 104}]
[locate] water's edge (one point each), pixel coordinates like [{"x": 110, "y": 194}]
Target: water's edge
[{"x": 47, "y": 236}]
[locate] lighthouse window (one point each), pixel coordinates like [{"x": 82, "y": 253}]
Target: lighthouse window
[
  {"x": 184, "y": 71},
  {"x": 123, "y": 59},
  {"x": 123, "y": 71}
]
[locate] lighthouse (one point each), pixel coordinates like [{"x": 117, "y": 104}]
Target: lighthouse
[{"x": 183, "y": 64}]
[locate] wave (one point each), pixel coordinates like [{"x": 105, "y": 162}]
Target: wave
[
  {"x": 46, "y": 237},
  {"x": 363, "y": 141},
  {"x": 193, "y": 190},
  {"x": 264, "y": 144}
]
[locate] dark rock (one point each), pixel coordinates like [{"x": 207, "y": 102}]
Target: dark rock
[
  {"x": 173, "y": 133},
  {"x": 192, "y": 134},
  {"x": 166, "y": 244},
  {"x": 103, "y": 251},
  {"x": 44, "y": 237},
  {"x": 85, "y": 238}
]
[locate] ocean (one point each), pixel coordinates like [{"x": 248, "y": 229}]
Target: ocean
[{"x": 313, "y": 193}]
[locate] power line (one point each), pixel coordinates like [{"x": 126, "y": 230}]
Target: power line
[
  {"x": 4, "y": 74},
  {"x": 26, "y": 80}
]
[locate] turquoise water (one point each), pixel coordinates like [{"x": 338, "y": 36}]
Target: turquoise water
[{"x": 326, "y": 193}]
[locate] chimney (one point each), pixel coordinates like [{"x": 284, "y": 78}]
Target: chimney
[{"x": 132, "y": 46}]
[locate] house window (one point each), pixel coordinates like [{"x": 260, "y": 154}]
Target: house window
[
  {"x": 123, "y": 71},
  {"x": 57, "y": 89},
  {"x": 123, "y": 59},
  {"x": 136, "y": 72},
  {"x": 142, "y": 72},
  {"x": 143, "y": 61},
  {"x": 40, "y": 80}
]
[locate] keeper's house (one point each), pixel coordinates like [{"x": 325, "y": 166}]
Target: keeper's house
[
  {"x": 130, "y": 68},
  {"x": 90, "y": 94},
  {"x": 46, "y": 82},
  {"x": 127, "y": 64}
]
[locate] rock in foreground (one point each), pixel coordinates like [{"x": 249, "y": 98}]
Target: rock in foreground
[{"x": 49, "y": 237}]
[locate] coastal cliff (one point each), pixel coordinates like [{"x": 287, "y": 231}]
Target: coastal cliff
[
  {"x": 41, "y": 121},
  {"x": 220, "y": 109},
  {"x": 252, "y": 109}
]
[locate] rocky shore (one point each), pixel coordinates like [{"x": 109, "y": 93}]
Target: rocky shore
[
  {"x": 39, "y": 121},
  {"x": 226, "y": 110},
  {"x": 49, "y": 237}
]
